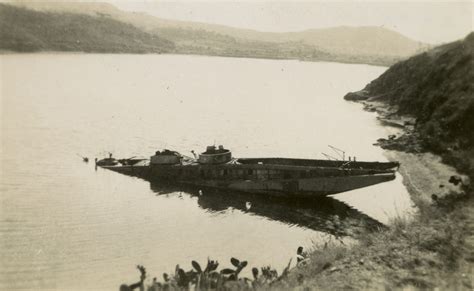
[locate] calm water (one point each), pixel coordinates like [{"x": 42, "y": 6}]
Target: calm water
[{"x": 64, "y": 225}]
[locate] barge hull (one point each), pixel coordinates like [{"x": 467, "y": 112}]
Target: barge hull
[
  {"x": 299, "y": 187},
  {"x": 310, "y": 187}
]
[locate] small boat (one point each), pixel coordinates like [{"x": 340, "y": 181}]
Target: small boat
[
  {"x": 134, "y": 161},
  {"x": 216, "y": 168},
  {"x": 107, "y": 162}
]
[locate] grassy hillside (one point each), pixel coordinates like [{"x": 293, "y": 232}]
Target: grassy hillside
[
  {"x": 26, "y": 30},
  {"x": 437, "y": 87},
  {"x": 347, "y": 44},
  {"x": 370, "y": 45}
]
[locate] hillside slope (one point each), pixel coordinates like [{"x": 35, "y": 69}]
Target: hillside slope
[
  {"x": 371, "y": 45},
  {"x": 436, "y": 87},
  {"x": 26, "y": 30},
  {"x": 365, "y": 40}
]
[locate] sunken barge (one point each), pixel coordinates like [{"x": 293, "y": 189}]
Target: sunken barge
[{"x": 216, "y": 168}]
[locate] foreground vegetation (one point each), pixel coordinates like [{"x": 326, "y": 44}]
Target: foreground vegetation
[{"x": 427, "y": 251}]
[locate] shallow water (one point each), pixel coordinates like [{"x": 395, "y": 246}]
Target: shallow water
[{"x": 65, "y": 225}]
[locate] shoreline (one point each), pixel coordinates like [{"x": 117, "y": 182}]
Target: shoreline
[
  {"x": 433, "y": 249},
  {"x": 177, "y": 53},
  {"x": 423, "y": 172},
  {"x": 400, "y": 257}
]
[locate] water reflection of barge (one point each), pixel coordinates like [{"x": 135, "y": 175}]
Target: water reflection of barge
[
  {"x": 215, "y": 168},
  {"x": 324, "y": 214}
]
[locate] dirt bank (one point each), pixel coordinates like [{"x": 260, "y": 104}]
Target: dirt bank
[
  {"x": 435, "y": 249},
  {"x": 423, "y": 172}
]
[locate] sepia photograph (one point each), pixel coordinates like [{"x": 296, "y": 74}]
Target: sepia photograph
[{"x": 236, "y": 145}]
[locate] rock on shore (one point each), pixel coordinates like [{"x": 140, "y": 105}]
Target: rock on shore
[
  {"x": 357, "y": 96},
  {"x": 430, "y": 95}
]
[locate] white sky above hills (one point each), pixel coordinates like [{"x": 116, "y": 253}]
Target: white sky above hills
[{"x": 432, "y": 22}]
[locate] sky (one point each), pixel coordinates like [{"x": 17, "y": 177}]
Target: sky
[{"x": 427, "y": 21}]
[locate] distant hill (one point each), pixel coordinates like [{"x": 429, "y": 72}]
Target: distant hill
[
  {"x": 372, "y": 45},
  {"x": 437, "y": 87},
  {"x": 344, "y": 44},
  {"x": 29, "y": 31}
]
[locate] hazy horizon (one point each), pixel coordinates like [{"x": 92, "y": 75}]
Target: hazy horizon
[
  {"x": 432, "y": 22},
  {"x": 428, "y": 21}
]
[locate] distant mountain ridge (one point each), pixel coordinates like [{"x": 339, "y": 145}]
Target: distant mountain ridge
[{"x": 373, "y": 45}]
